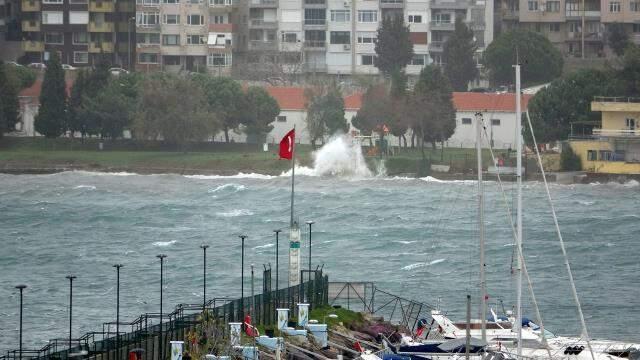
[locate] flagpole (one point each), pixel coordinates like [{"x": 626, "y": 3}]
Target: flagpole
[{"x": 293, "y": 172}]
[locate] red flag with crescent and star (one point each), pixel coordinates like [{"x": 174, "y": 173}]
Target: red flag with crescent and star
[{"x": 286, "y": 145}]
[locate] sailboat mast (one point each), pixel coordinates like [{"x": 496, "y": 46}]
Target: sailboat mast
[
  {"x": 293, "y": 172},
  {"x": 519, "y": 209},
  {"x": 483, "y": 287}
]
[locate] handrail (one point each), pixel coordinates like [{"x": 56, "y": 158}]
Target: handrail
[{"x": 619, "y": 99}]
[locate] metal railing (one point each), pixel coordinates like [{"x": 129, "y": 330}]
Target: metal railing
[
  {"x": 145, "y": 329},
  {"x": 616, "y": 133},
  {"x": 618, "y": 99}
]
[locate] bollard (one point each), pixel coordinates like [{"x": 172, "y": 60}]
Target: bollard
[
  {"x": 303, "y": 315},
  {"x": 283, "y": 317},
  {"x": 176, "y": 350},
  {"x": 234, "y": 333}
]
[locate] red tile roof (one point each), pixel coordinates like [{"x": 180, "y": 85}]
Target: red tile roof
[
  {"x": 470, "y": 101},
  {"x": 289, "y": 98},
  {"x": 353, "y": 101},
  {"x": 35, "y": 89}
]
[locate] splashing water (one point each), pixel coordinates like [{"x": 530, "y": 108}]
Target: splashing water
[{"x": 340, "y": 156}]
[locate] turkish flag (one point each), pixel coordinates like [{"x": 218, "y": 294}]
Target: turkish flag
[{"x": 286, "y": 145}]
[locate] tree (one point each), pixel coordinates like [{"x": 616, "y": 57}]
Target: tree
[
  {"x": 225, "y": 99},
  {"x": 568, "y": 100},
  {"x": 393, "y": 48},
  {"x": 630, "y": 72},
  {"x": 432, "y": 104},
  {"x": 51, "y": 118},
  {"x": 375, "y": 112},
  {"x": 400, "y": 118},
  {"x": 542, "y": 62},
  {"x": 173, "y": 109},
  {"x": 617, "y": 38},
  {"x": 111, "y": 110},
  {"x": 458, "y": 55},
  {"x": 325, "y": 112},
  {"x": 20, "y": 76},
  {"x": 261, "y": 111},
  {"x": 569, "y": 160},
  {"x": 9, "y": 105},
  {"x": 76, "y": 122}
]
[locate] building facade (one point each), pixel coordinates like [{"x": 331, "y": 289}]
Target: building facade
[
  {"x": 614, "y": 147},
  {"x": 80, "y": 31},
  {"x": 569, "y": 24}
]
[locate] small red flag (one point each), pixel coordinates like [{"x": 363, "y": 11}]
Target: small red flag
[{"x": 286, "y": 145}]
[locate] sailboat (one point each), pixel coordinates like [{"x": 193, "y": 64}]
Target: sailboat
[{"x": 517, "y": 337}]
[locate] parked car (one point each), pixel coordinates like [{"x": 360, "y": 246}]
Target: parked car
[
  {"x": 117, "y": 71},
  {"x": 40, "y": 66},
  {"x": 13, "y": 63},
  {"x": 68, "y": 67}
]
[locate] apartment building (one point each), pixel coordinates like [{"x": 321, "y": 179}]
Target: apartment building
[
  {"x": 187, "y": 35},
  {"x": 570, "y": 23},
  {"x": 80, "y": 31}
]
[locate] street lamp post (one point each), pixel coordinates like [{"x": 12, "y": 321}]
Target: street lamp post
[
  {"x": 161, "y": 257},
  {"x": 21, "y": 288},
  {"x": 310, "y": 222},
  {"x": 70, "y": 277},
  {"x": 118, "y": 266},
  {"x": 243, "y": 237},
  {"x": 131, "y": 19},
  {"x": 204, "y": 248},
  {"x": 277, "y": 231}
]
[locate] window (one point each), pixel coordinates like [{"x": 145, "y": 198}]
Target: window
[
  {"x": 366, "y": 59},
  {"x": 495, "y": 122},
  {"x": 52, "y": 17},
  {"x": 80, "y": 38},
  {"x": 592, "y": 155},
  {"x": 367, "y": 16},
  {"x": 217, "y": 19},
  {"x": 553, "y": 6},
  {"x": 315, "y": 16},
  {"x": 289, "y": 37},
  {"x": 171, "y": 1},
  {"x": 533, "y": 6},
  {"x": 148, "y": 2},
  {"x": 366, "y": 38},
  {"x": 218, "y": 39},
  {"x": 419, "y": 59},
  {"x": 53, "y": 38},
  {"x": 170, "y": 40},
  {"x": 219, "y": 60},
  {"x": 52, "y": 1},
  {"x": 171, "y": 19},
  {"x": 614, "y": 6},
  {"x": 281, "y": 118},
  {"x": 636, "y": 28},
  {"x": 80, "y": 57},
  {"x": 415, "y": 19},
  {"x": 630, "y": 123},
  {"x": 148, "y": 38},
  {"x": 220, "y": 2},
  {"x": 466, "y": 121},
  {"x": 77, "y": 1},
  {"x": 147, "y": 18},
  {"x": 606, "y": 155},
  {"x": 195, "y": 20},
  {"x": 195, "y": 40},
  {"x": 634, "y": 6},
  {"x": 147, "y": 58},
  {"x": 554, "y": 27},
  {"x": 340, "y": 37},
  {"x": 340, "y": 15},
  {"x": 439, "y": 18},
  {"x": 171, "y": 60},
  {"x": 574, "y": 27},
  {"x": 78, "y": 17}
]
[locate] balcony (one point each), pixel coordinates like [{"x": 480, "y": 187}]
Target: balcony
[
  {"x": 315, "y": 44},
  {"x": 30, "y": 25},
  {"x": 30, "y": 5},
  {"x": 391, "y": 4},
  {"x": 100, "y": 28},
  {"x": 449, "y": 4},
  {"x": 598, "y": 36},
  {"x": 578, "y": 14},
  {"x": 101, "y": 47},
  {"x": 263, "y": 24},
  {"x": 315, "y": 22},
  {"x": 436, "y": 46},
  {"x": 314, "y": 67},
  {"x": 127, "y": 6},
  {"x": 32, "y": 46},
  {"x": 101, "y": 6},
  {"x": 263, "y": 45},
  {"x": 223, "y": 28},
  {"x": 441, "y": 25},
  {"x": 315, "y": 3},
  {"x": 624, "y": 104},
  {"x": 510, "y": 14},
  {"x": 263, "y": 3},
  {"x": 606, "y": 133}
]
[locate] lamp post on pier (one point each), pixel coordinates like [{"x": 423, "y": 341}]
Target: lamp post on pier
[
  {"x": 21, "y": 288},
  {"x": 310, "y": 222},
  {"x": 118, "y": 266},
  {"x": 161, "y": 343},
  {"x": 70, "y": 277},
  {"x": 243, "y": 237},
  {"x": 204, "y": 248},
  {"x": 277, "y": 231}
]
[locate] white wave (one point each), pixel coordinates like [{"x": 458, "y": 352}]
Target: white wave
[
  {"x": 236, "y": 176},
  {"x": 436, "y": 261},
  {"x": 88, "y": 187},
  {"x": 405, "y": 242},
  {"x": 632, "y": 183},
  {"x": 340, "y": 156},
  {"x": 610, "y": 244},
  {"x": 234, "y": 213},
  {"x": 434, "y": 180},
  {"x": 586, "y": 203},
  {"x": 99, "y": 173},
  {"x": 164, "y": 243},
  {"x": 422, "y": 264},
  {"x": 235, "y": 187},
  {"x": 300, "y": 170},
  {"x": 265, "y": 246},
  {"x": 509, "y": 245}
]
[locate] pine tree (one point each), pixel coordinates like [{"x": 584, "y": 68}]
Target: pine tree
[
  {"x": 51, "y": 118},
  {"x": 76, "y": 121},
  {"x": 458, "y": 53},
  {"x": 393, "y": 47},
  {"x": 9, "y": 105},
  {"x": 617, "y": 38}
]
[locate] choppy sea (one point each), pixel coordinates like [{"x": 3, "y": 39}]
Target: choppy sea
[{"x": 413, "y": 237}]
